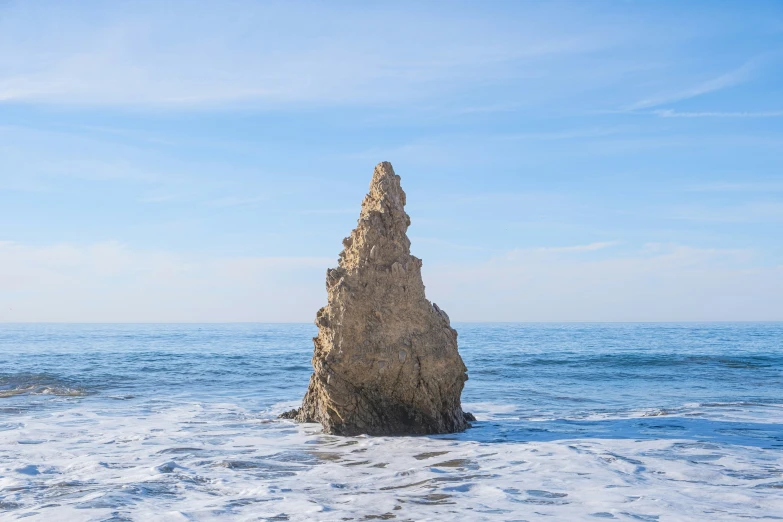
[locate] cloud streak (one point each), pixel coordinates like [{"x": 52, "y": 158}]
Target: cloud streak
[
  {"x": 111, "y": 282},
  {"x": 592, "y": 247},
  {"x": 749, "y": 212},
  {"x": 738, "y": 187},
  {"x": 187, "y": 55},
  {"x": 668, "y": 113},
  {"x": 655, "y": 283},
  {"x": 726, "y": 80}
]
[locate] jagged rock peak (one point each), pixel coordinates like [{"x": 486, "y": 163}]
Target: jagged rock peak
[
  {"x": 385, "y": 359},
  {"x": 380, "y": 236}
]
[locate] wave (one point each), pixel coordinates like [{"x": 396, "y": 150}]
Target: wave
[
  {"x": 737, "y": 410},
  {"x": 624, "y": 360},
  {"x": 12, "y": 385}
]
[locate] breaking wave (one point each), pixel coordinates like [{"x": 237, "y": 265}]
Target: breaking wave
[{"x": 38, "y": 384}]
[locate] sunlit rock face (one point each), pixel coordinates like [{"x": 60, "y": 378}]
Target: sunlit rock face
[{"x": 386, "y": 359}]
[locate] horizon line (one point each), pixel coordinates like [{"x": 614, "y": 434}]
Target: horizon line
[{"x": 4, "y": 323}]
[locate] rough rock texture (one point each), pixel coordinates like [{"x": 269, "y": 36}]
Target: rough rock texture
[{"x": 386, "y": 359}]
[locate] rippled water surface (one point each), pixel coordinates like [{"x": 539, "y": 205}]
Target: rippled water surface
[{"x": 649, "y": 422}]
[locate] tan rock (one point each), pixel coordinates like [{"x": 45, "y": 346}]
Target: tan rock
[{"x": 386, "y": 359}]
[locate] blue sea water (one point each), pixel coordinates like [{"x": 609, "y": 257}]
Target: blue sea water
[{"x": 575, "y": 422}]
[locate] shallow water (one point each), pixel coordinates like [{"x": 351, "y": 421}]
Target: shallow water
[{"x": 575, "y": 422}]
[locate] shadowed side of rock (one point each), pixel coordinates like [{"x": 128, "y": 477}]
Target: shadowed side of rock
[{"x": 386, "y": 359}]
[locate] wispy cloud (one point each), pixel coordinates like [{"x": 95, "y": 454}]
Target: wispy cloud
[
  {"x": 729, "y": 79},
  {"x": 112, "y": 282},
  {"x": 425, "y": 151},
  {"x": 159, "y": 198},
  {"x": 417, "y": 240},
  {"x": 654, "y": 283},
  {"x": 668, "y": 113},
  {"x": 741, "y": 186},
  {"x": 328, "y": 211},
  {"x": 483, "y": 109},
  {"x": 568, "y": 134},
  {"x": 266, "y": 54},
  {"x": 22, "y": 185},
  {"x": 539, "y": 251},
  {"x": 236, "y": 201},
  {"x": 749, "y": 212},
  {"x": 592, "y": 247}
]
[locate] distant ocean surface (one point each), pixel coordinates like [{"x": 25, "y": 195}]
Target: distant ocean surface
[{"x": 640, "y": 422}]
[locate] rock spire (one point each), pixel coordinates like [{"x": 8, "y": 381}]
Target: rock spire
[{"x": 385, "y": 359}]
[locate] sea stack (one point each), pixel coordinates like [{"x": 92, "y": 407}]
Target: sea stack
[{"x": 386, "y": 359}]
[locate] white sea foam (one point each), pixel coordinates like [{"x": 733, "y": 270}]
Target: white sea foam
[
  {"x": 208, "y": 461},
  {"x": 579, "y": 422}
]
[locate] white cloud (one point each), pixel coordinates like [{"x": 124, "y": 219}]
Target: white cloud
[
  {"x": 742, "y": 186},
  {"x": 109, "y": 282},
  {"x": 748, "y": 212},
  {"x": 237, "y": 201},
  {"x": 668, "y": 113},
  {"x": 729, "y": 79},
  {"x": 158, "y": 198},
  {"x": 656, "y": 283},
  {"x": 592, "y": 247},
  {"x": 185, "y": 54},
  {"x": 566, "y": 134}
]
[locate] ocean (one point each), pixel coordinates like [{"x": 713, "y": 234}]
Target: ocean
[{"x": 639, "y": 422}]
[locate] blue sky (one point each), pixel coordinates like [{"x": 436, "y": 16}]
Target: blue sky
[{"x": 564, "y": 161}]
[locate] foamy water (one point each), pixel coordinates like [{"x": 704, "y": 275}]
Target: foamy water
[{"x": 575, "y": 422}]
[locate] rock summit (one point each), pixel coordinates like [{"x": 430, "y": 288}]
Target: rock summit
[{"x": 385, "y": 359}]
